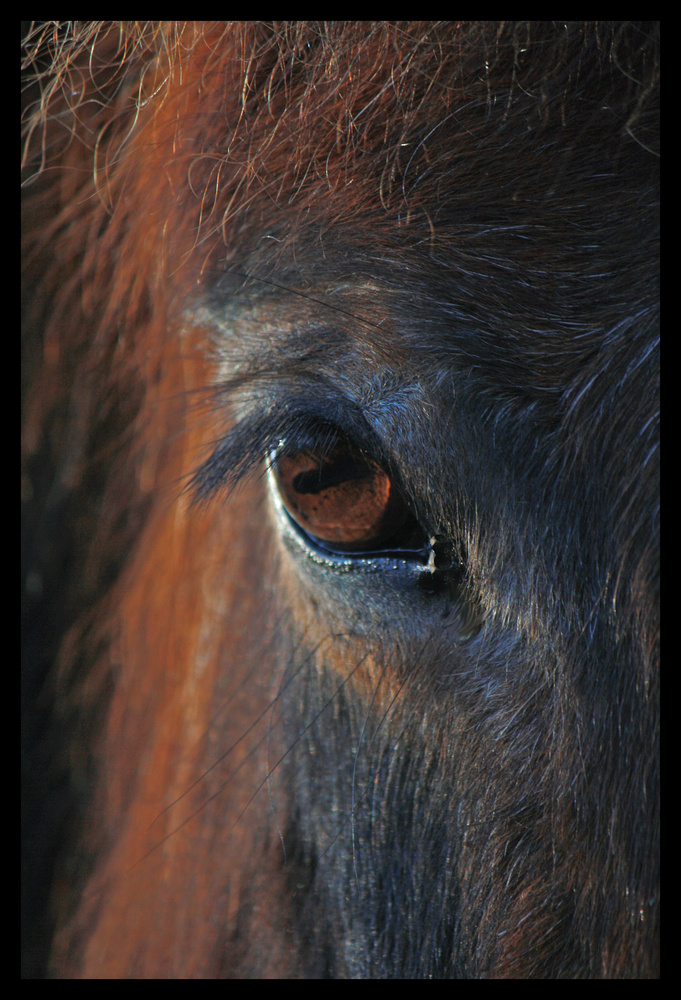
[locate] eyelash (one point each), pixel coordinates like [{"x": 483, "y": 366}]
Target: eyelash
[{"x": 244, "y": 446}]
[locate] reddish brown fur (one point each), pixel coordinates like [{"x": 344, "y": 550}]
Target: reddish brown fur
[{"x": 207, "y": 133}]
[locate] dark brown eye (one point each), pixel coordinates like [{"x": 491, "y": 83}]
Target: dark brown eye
[{"x": 343, "y": 499}]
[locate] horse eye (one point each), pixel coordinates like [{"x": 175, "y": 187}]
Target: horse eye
[{"x": 343, "y": 499}]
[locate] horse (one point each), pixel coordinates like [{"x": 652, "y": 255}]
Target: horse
[{"x": 340, "y": 506}]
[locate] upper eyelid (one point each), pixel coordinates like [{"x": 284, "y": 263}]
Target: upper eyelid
[
  {"x": 254, "y": 436},
  {"x": 319, "y": 438},
  {"x": 314, "y": 415}
]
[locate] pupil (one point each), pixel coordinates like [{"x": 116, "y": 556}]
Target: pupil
[{"x": 330, "y": 474}]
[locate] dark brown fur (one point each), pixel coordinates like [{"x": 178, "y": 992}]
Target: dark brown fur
[{"x": 454, "y": 227}]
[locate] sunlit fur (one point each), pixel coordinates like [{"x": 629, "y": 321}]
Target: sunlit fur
[{"x": 444, "y": 238}]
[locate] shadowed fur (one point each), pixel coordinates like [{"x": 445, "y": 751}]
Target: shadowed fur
[{"x": 440, "y": 241}]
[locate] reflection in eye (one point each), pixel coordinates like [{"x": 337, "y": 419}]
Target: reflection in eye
[{"x": 344, "y": 500}]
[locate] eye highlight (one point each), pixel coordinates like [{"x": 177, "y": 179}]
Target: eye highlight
[{"x": 344, "y": 500}]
